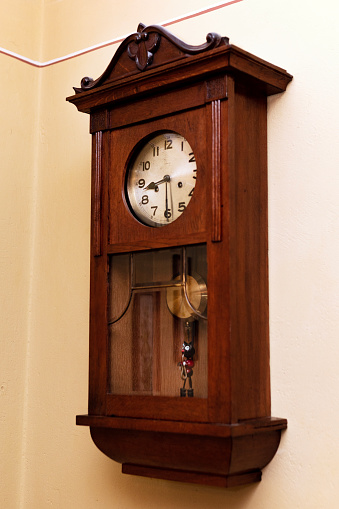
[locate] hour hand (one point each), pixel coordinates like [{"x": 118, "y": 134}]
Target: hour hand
[{"x": 153, "y": 185}]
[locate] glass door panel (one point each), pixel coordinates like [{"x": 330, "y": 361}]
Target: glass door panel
[{"x": 157, "y": 321}]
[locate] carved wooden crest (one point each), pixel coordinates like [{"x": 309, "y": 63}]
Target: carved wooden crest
[
  {"x": 149, "y": 47},
  {"x": 143, "y": 48}
]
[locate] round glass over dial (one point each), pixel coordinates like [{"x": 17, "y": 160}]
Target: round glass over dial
[{"x": 161, "y": 179}]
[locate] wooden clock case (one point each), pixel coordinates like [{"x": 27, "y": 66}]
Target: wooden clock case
[{"x": 215, "y": 95}]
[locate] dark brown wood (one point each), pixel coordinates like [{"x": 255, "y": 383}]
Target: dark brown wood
[
  {"x": 168, "y": 455},
  {"x": 249, "y": 257},
  {"x": 144, "y": 341},
  {"x": 97, "y": 185},
  {"x": 141, "y": 47},
  {"x": 161, "y": 407},
  {"x": 243, "y": 428},
  {"x": 226, "y": 60},
  {"x": 99, "y": 121},
  {"x": 98, "y": 284},
  {"x": 171, "y": 102},
  {"x": 219, "y": 481},
  {"x": 192, "y": 125},
  {"x": 216, "y": 172},
  {"x": 215, "y": 96}
]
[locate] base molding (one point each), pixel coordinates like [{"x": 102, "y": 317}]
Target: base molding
[
  {"x": 221, "y": 481},
  {"x": 203, "y": 453}
]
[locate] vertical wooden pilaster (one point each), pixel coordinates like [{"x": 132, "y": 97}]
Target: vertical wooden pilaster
[
  {"x": 97, "y": 194},
  {"x": 216, "y": 172}
]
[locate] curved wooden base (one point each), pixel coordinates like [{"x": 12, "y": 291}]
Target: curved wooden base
[
  {"x": 212, "y": 454},
  {"x": 226, "y": 481}
]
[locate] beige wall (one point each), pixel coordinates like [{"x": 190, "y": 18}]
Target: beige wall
[
  {"x": 19, "y": 86},
  {"x": 46, "y": 461}
]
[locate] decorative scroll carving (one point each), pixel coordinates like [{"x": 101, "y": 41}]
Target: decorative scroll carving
[
  {"x": 216, "y": 172},
  {"x": 142, "y": 45},
  {"x": 142, "y": 49}
]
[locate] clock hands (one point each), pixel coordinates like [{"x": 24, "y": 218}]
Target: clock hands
[
  {"x": 167, "y": 212},
  {"x": 153, "y": 185}
]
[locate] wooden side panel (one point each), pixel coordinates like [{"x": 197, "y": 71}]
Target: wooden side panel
[
  {"x": 98, "y": 277},
  {"x": 219, "y": 367},
  {"x": 249, "y": 258}
]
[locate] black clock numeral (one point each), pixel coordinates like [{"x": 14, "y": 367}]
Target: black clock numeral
[
  {"x": 192, "y": 158},
  {"x": 182, "y": 146},
  {"x": 144, "y": 199},
  {"x": 168, "y": 144},
  {"x": 181, "y": 206},
  {"x": 191, "y": 192},
  {"x": 155, "y": 207},
  {"x": 141, "y": 183},
  {"x": 168, "y": 213},
  {"x": 155, "y": 151},
  {"x": 194, "y": 176},
  {"x": 145, "y": 165}
]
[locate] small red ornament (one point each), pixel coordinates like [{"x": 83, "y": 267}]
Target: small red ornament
[{"x": 188, "y": 363}]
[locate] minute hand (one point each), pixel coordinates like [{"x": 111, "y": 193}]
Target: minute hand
[{"x": 152, "y": 185}]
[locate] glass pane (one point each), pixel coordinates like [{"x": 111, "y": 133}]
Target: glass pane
[
  {"x": 119, "y": 280},
  {"x": 157, "y": 266},
  {"x": 158, "y": 340}
]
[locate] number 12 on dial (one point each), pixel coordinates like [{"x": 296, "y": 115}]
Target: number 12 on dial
[{"x": 161, "y": 179}]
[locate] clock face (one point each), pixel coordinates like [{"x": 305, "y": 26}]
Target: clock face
[{"x": 161, "y": 179}]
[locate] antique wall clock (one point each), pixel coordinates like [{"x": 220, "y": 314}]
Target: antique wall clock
[{"x": 179, "y": 378}]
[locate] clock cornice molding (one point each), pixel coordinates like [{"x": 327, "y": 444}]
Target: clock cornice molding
[{"x": 172, "y": 63}]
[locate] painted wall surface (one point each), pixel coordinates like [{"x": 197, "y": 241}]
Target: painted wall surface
[
  {"x": 19, "y": 87},
  {"x": 46, "y": 461}
]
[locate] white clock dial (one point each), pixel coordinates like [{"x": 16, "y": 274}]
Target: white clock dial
[{"x": 161, "y": 179}]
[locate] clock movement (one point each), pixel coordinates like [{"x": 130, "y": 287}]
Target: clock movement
[{"x": 179, "y": 377}]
